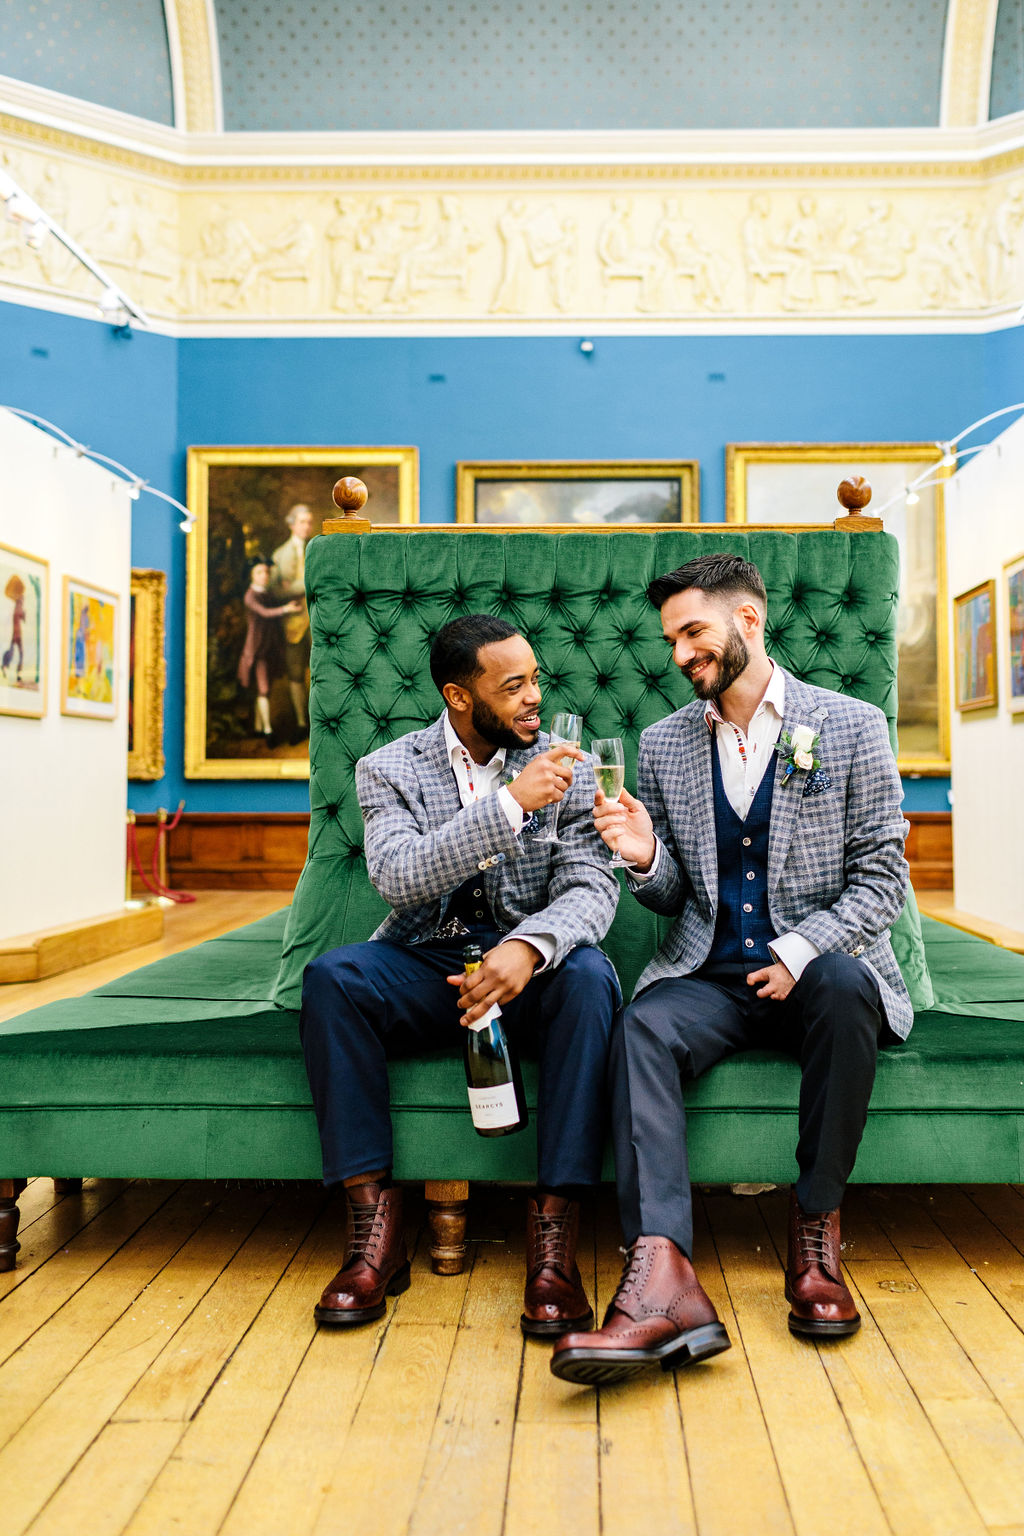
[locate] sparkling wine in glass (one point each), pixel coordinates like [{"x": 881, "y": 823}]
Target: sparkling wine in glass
[
  {"x": 568, "y": 728},
  {"x": 610, "y": 773}
]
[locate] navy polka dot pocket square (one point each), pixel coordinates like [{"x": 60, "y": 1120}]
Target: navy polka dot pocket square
[{"x": 817, "y": 782}]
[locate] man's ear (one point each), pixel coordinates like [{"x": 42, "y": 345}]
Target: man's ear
[
  {"x": 750, "y": 618},
  {"x": 456, "y": 697}
]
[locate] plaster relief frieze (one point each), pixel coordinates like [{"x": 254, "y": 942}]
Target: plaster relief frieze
[{"x": 779, "y": 246}]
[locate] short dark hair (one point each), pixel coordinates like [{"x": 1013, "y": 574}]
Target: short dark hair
[
  {"x": 727, "y": 576},
  {"x": 455, "y": 653}
]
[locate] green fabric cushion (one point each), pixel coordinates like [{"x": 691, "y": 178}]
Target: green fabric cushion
[{"x": 377, "y": 600}]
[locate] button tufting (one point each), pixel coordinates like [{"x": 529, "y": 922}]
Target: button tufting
[
  {"x": 847, "y": 682},
  {"x": 603, "y": 680}
]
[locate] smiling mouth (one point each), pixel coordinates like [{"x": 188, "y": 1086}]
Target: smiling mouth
[{"x": 529, "y": 722}]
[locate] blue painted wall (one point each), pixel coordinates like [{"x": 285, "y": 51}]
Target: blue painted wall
[
  {"x": 483, "y": 64},
  {"x": 110, "y": 51},
  {"x": 145, "y": 398}
]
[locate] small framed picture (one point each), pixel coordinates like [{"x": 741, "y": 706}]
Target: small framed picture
[
  {"x": 974, "y": 633},
  {"x": 589, "y": 494},
  {"x": 1014, "y": 573},
  {"x": 24, "y": 603},
  {"x": 147, "y": 675},
  {"x": 88, "y": 682}
]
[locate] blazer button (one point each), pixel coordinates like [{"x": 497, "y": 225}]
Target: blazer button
[
  {"x": 482, "y": 864},
  {"x": 858, "y": 951},
  {"x": 499, "y": 858}
]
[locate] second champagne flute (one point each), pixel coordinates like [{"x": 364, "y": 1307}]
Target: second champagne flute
[
  {"x": 610, "y": 773},
  {"x": 567, "y": 728}
]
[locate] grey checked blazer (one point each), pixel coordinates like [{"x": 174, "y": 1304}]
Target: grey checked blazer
[
  {"x": 836, "y": 870},
  {"x": 421, "y": 843}
]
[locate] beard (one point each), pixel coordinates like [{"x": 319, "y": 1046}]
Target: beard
[
  {"x": 494, "y": 731},
  {"x": 734, "y": 660}
]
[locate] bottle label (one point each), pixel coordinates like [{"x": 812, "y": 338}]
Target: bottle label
[
  {"x": 493, "y": 1012},
  {"x": 493, "y": 1107}
]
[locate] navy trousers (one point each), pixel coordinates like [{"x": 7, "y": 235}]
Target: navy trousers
[
  {"x": 832, "y": 1022},
  {"x": 365, "y": 1003}
]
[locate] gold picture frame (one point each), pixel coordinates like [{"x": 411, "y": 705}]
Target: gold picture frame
[
  {"x": 975, "y": 648},
  {"x": 256, "y": 501},
  {"x": 496, "y": 493},
  {"x": 1013, "y": 588},
  {"x": 761, "y": 478},
  {"x": 24, "y": 632},
  {"x": 147, "y": 674}
]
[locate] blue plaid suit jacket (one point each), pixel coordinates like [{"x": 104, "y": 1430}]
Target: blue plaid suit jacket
[
  {"x": 836, "y": 869},
  {"x": 421, "y": 843}
]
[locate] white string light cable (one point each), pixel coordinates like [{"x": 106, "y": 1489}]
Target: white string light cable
[
  {"x": 136, "y": 484},
  {"x": 951, "y": 457},
  {"x": 114, "y": 303}
]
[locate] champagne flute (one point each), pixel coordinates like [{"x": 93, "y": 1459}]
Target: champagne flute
[
  {"x": 610, "y": 773},
  {"x": 568, "y": 728}
]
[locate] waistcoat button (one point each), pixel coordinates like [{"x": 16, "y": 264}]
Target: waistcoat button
[
  {"x": 747, "y": 907},
  {"x": 750, "y": 874},
  {"x": 749, "y": 943},
  {"x": 746, "y": 842}
]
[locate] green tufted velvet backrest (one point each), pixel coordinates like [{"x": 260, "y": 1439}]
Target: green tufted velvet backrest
[{"x": 376, "y": 600}]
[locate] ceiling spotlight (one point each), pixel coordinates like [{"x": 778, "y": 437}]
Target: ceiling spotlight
[
  {"x": 186, "y": 524},
  {"x": 36, "y": 234},
  {"x": 114, "y": 309},
  {"x": 912, "y": 498},
  {"x": 135, "y": 490}
]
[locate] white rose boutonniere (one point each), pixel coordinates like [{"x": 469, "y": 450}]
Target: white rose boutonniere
[{"x": 796, "y": 748}]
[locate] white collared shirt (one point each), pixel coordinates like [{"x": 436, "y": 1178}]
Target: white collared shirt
[
  {"x": 477, "y": 780},
  {"x": 744, "y": 758}
]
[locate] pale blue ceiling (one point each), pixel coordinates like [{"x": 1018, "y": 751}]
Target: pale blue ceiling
[
  {"x": 479, "y": 64},
  {"x": 1008, "y": 60},
  {"x": 109, "y": 51}
]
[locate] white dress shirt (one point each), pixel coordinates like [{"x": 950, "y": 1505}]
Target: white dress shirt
[
  {"x": 475, "y": 780},
  {"x": 744, "y": 759}
]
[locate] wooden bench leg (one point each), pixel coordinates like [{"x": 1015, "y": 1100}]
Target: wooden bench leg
[
  {"x": 10, "y": 1189},
  {"x": 447, "y": 1204},
  {"x": 67, "y": 1186}
]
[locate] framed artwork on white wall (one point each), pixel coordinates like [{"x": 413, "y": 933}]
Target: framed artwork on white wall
[
  {"x": 24, "y": 603},
  {"x": 1014, "y": 573},
  {"x": 88, "y": 661},
  {"x": 974, "y": 642}
]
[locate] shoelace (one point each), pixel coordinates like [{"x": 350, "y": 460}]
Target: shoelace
[
  {"x": 364, "y": 1228},
  {"x": 813, "y": 1244},
  {"x": 630, "y": 1272},
  {"x": 552, "y": 1232}
]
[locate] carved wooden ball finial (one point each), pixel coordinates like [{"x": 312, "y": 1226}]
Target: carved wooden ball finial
[
  {"x": 350, "y": 494},
  {"x": 854, "y": 493}
]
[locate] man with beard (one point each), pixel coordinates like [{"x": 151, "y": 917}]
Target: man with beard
[
  {"x": 448, "y": 815},
  {"x": 769, "y": 828}
]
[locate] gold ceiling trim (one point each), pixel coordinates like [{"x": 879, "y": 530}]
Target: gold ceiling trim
[{"x": 967, "y": 62}]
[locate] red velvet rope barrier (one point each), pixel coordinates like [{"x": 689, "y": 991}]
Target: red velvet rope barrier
[{"x": 152, "y": 881}]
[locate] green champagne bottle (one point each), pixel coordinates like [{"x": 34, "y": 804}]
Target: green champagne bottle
[{"x": 496, "y": 1099}]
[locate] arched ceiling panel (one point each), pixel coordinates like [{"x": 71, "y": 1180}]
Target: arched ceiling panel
[
  {"x": 563, "y": 64},
  {"x": 113, "y": 52},
  {"x": 1008, "y": 60}
]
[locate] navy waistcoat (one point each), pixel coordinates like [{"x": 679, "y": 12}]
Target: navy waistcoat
[{"x": 743, "y": 926}]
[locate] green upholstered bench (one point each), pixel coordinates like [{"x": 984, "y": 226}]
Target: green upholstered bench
[{"x": 191, "y": 1067}]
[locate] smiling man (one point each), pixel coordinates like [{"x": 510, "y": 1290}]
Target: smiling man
[
  {"x": 448, "y": 815},
  {"x": 769, "y": 828}
]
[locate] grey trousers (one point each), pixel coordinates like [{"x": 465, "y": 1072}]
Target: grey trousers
[{"x": 831, "y": 1022}]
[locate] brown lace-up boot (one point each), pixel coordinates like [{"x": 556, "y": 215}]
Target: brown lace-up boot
[
  {"x": 555, "y": 1301},
  {"x": 376, "y": 1263},
  {"x": 659, "y": 1315},
  {"x": 820, "y": 1301}
]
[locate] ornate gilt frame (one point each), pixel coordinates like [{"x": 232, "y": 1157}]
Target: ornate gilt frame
[
  {"x": 738, "y": 456},
  {"x": 200, "y": 460},
  {"x": 469, "y": 473},
  {"x": 148, "y": 677},
  {"x": 983, "y": 700}
]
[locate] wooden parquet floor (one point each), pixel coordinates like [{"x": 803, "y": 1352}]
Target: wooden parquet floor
[{"x": 160, "y": 1373}]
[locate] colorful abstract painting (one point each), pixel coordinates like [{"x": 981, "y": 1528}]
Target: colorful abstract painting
[
  {"x": 975, "y": 635},
  {"x": 89, "y": 651},
  {"x": 1015, "y": 612}
]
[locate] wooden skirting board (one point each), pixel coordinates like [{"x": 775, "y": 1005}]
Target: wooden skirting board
[
  {"x": 34, "y": 956},
  {"x": 242, "y": 850}
]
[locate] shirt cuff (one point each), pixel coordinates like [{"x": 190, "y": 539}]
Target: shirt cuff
[
  {"x": 794, "y": 951},
  {"x": 544, "y": 943},
  {"x": 513, "y": 810},
  {"x": 641, "y": 879}
]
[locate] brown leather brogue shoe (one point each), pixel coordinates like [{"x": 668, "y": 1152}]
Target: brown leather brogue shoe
[
  {"x": 555, "y": 1301},
  {"x": 659, "y": 1315},
  {"x": 376, "y": 1263},
  {"x": 820, "y": 1301}
]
